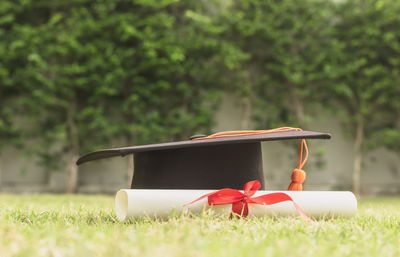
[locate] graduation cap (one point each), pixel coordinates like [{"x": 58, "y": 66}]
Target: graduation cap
[{"x": 222, "y": 160}]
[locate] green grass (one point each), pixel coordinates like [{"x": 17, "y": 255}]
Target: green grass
[{"x": 82, "y": 225}]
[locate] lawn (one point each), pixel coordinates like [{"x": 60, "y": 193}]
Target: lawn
[{"x": 85, "y": 225}]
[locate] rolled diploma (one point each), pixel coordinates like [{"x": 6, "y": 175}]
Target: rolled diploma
[{"x": 161, "y": 203}]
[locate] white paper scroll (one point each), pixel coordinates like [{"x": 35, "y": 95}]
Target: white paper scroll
[{"x": 160, "y": 203}]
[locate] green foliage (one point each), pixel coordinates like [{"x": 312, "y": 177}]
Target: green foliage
[
  {"x": 81, "y": 75},
  {"x": 365, "y": 69}
]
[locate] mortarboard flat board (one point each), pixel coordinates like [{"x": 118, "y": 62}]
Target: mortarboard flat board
[{"x": 226, "y": 162}]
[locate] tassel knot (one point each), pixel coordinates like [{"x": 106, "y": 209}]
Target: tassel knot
[{"x": 298, "y": 177}]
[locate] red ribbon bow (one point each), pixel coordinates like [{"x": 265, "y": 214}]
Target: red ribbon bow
[{"x": 241, "y": 200}]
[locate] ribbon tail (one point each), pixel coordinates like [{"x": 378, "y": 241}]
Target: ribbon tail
[
  {"x": 200, "y": 198},
  {"x": 301, "y": 212},
  {"x": 223, "y": 196},
  {"x": 274, "y": 198}
]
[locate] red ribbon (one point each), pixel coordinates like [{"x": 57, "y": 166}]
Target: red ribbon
[{"x": 241, "y": 200}]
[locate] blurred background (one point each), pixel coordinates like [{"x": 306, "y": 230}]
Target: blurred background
[{"x": 83, "y": 75}]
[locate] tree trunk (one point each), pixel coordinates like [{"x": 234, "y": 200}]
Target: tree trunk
[
  {"x": 299, "y": 110},
  {"x": 297, "y": 105},
  {"x": 129, "y": 174},
  {"x": 358, "y": 155},
  {"x": 131, "y": 138},
  {"x": 72, "y": 168},
  {"x": 72, "y": 173},
  {"x": 245, "y": 120}
]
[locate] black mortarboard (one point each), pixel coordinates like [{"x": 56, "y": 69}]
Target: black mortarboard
[{"x": 208, "y": 163}]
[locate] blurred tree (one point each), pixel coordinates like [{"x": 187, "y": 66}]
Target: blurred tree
[
  {"x": 278, "y": 52},
  {"x": 367, "y": 58},
  {"x": 102, "y": 72},
  {"x": 64, "y": 100}
]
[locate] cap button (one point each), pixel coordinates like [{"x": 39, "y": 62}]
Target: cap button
[{"x": 197, "y": 136}]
